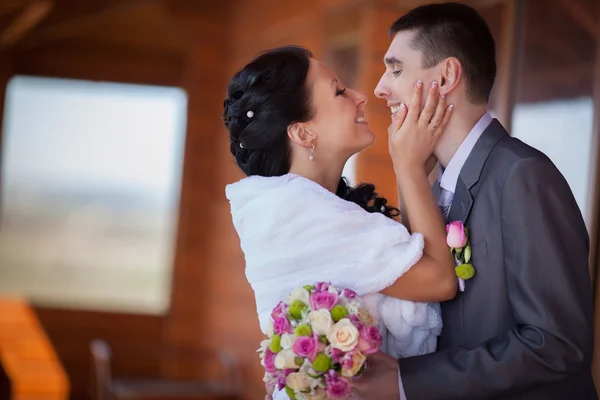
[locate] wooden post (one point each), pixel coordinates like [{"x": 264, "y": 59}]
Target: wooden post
[
  {"x": 510, "y": 58},
  {"x": 593, "y": 215}
]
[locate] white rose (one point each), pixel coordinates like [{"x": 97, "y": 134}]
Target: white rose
[
  {"x": 320, "y": 394},
  {"x": 332, "y": 289},
  {"x": 298, "y": 381},
  {"x": 317, "y": 394},
  {"x": 285, "y": 360},
  {"x": 320, "y": 321},
  {"x": 287, "y": 341},
  {"x": 270, "y": 332},
  {"x": 358, "y": 359},
  {"x": 343, "y": 335},
  {"x": 263, "y": 346},
  {"x": 299, "y": 294},
  {"x": 366, "y": 318},
  {"x": 353, "y": 307}
]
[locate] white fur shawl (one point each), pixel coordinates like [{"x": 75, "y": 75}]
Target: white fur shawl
[{"x": 294, "y": 232}]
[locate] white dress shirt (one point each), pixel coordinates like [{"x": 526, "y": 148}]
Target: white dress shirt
[{"x": 449, "y": 176}]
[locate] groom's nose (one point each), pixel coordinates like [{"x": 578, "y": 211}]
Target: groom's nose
[{"x": 382, "y": 89}]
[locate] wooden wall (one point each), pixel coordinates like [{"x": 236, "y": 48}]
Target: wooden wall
[{"x": 212, "y": 303}]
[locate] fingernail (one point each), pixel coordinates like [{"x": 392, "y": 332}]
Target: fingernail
[
  {"x": 451, "y": 106},
  {"x": 434, "y": 84},
  {"x": 419, "y": 84},
  {"x": 443, "y": 96}
]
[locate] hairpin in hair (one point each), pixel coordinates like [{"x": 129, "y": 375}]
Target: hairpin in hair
[{"x": 250, "y": 114}]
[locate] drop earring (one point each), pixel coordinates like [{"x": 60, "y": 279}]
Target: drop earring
[{"x": 312, "y": 152}]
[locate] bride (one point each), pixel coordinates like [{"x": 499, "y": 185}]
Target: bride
[{"x": 292, "y": 127}]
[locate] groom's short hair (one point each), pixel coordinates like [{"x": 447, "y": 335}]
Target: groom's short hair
[{"x": 454, "y": 30}]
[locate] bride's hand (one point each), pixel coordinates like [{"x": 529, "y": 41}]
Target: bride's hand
[{"x": 413, "y": 134}]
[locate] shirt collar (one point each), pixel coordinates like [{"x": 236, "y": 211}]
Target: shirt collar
[{"x": 449, "y": 176}]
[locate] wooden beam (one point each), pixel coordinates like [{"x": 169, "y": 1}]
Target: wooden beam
[
  {"x": 72, "y": 26},
  {"x": 12, "y": 6},
  {"x": 484, "y": 3},
  {"x": 25, "y": 22},
  {"x": 95, "y": 61},
  {"x": 511, "y": 55},
  {"x": 580, "y": 15}
]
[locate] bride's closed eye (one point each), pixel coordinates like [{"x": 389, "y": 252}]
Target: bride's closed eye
[{"x": 340, "y": 92}]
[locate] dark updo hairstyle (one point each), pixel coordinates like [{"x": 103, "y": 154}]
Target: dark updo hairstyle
[{"x": 263, "y": 99}]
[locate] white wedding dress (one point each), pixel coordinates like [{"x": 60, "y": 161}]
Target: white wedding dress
[{"x": 294, "y": 232}]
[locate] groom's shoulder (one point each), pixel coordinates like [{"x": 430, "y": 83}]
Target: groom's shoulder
[
  {"x": 514, "y": 158},
  {"x": 511, "y": 152}
]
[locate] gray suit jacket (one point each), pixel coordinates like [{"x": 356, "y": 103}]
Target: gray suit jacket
[{"x": 523, "y": 327}]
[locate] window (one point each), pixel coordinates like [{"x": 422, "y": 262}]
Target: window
[{"x": 91, "y": 177}]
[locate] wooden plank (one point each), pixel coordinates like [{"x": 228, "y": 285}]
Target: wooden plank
[
  {"x": 25, "y": 22},
  {"x": 580, "y": 15}
]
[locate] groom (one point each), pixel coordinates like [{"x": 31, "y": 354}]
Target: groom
[{"x": 522, "y": 327}]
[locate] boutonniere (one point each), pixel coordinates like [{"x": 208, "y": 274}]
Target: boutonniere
[{"x": 460, "y": 247}]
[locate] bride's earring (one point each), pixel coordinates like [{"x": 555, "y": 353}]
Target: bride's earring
[{"x": 312, "y": 152}]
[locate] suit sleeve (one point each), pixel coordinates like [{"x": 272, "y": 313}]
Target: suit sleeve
[{"x": 546, "y": 249}]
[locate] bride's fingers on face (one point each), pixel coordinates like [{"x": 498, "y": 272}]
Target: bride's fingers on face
[
  {"x": 430, "y": 104},
  {"x": 440, "y": 111},
  {"x": 415, "y": 103},
  {"x": 440, "y": 129}
]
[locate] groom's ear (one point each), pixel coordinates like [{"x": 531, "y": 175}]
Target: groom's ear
[
  {"x": 451, "y": 75},
  {"x": 299, "y": 134}
]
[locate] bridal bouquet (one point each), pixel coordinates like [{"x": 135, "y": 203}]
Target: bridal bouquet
[{"x": 317, "y": 339}]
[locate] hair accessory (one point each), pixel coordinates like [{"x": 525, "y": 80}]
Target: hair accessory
[
  {"x": 241, "y": 145},
  {"x": 250, "y": 114}
]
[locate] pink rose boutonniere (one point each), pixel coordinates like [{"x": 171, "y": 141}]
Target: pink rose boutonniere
[{"x": 460, "y": 247}]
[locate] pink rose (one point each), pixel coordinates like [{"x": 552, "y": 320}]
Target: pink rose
[
  {"x": 269, "y": 361},
  {"x": 281, "y": 325},
  {"x": 336, "y": 387},
  {"x": 281, "y": 376},
  {"x": 321, "y": 286},
  {"x": 346, "y": 361},
  {"x": 320, "y": 300},
  {"x": 336, "y": 355},
  {"x": 305, "y": 346},
  {"x": 370, "y": 340},
  {"x": 350, "y": 294},
  {"x": 456, "y": 237},
  {"x": 280, "y": 309},
  {"x": 356, "y": 321}
]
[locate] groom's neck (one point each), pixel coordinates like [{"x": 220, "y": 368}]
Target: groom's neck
[{"x": 464, "y": 119}]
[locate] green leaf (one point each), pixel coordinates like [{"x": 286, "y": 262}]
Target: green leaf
[{"x": 468, "y": 253}]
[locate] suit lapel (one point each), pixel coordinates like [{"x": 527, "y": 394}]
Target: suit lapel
[
  {"x": 461, "y": 203},
  {"x": 471, "y": 171}
]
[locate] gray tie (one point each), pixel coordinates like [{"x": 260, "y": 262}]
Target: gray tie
[{"x": 445, "y": 202}]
